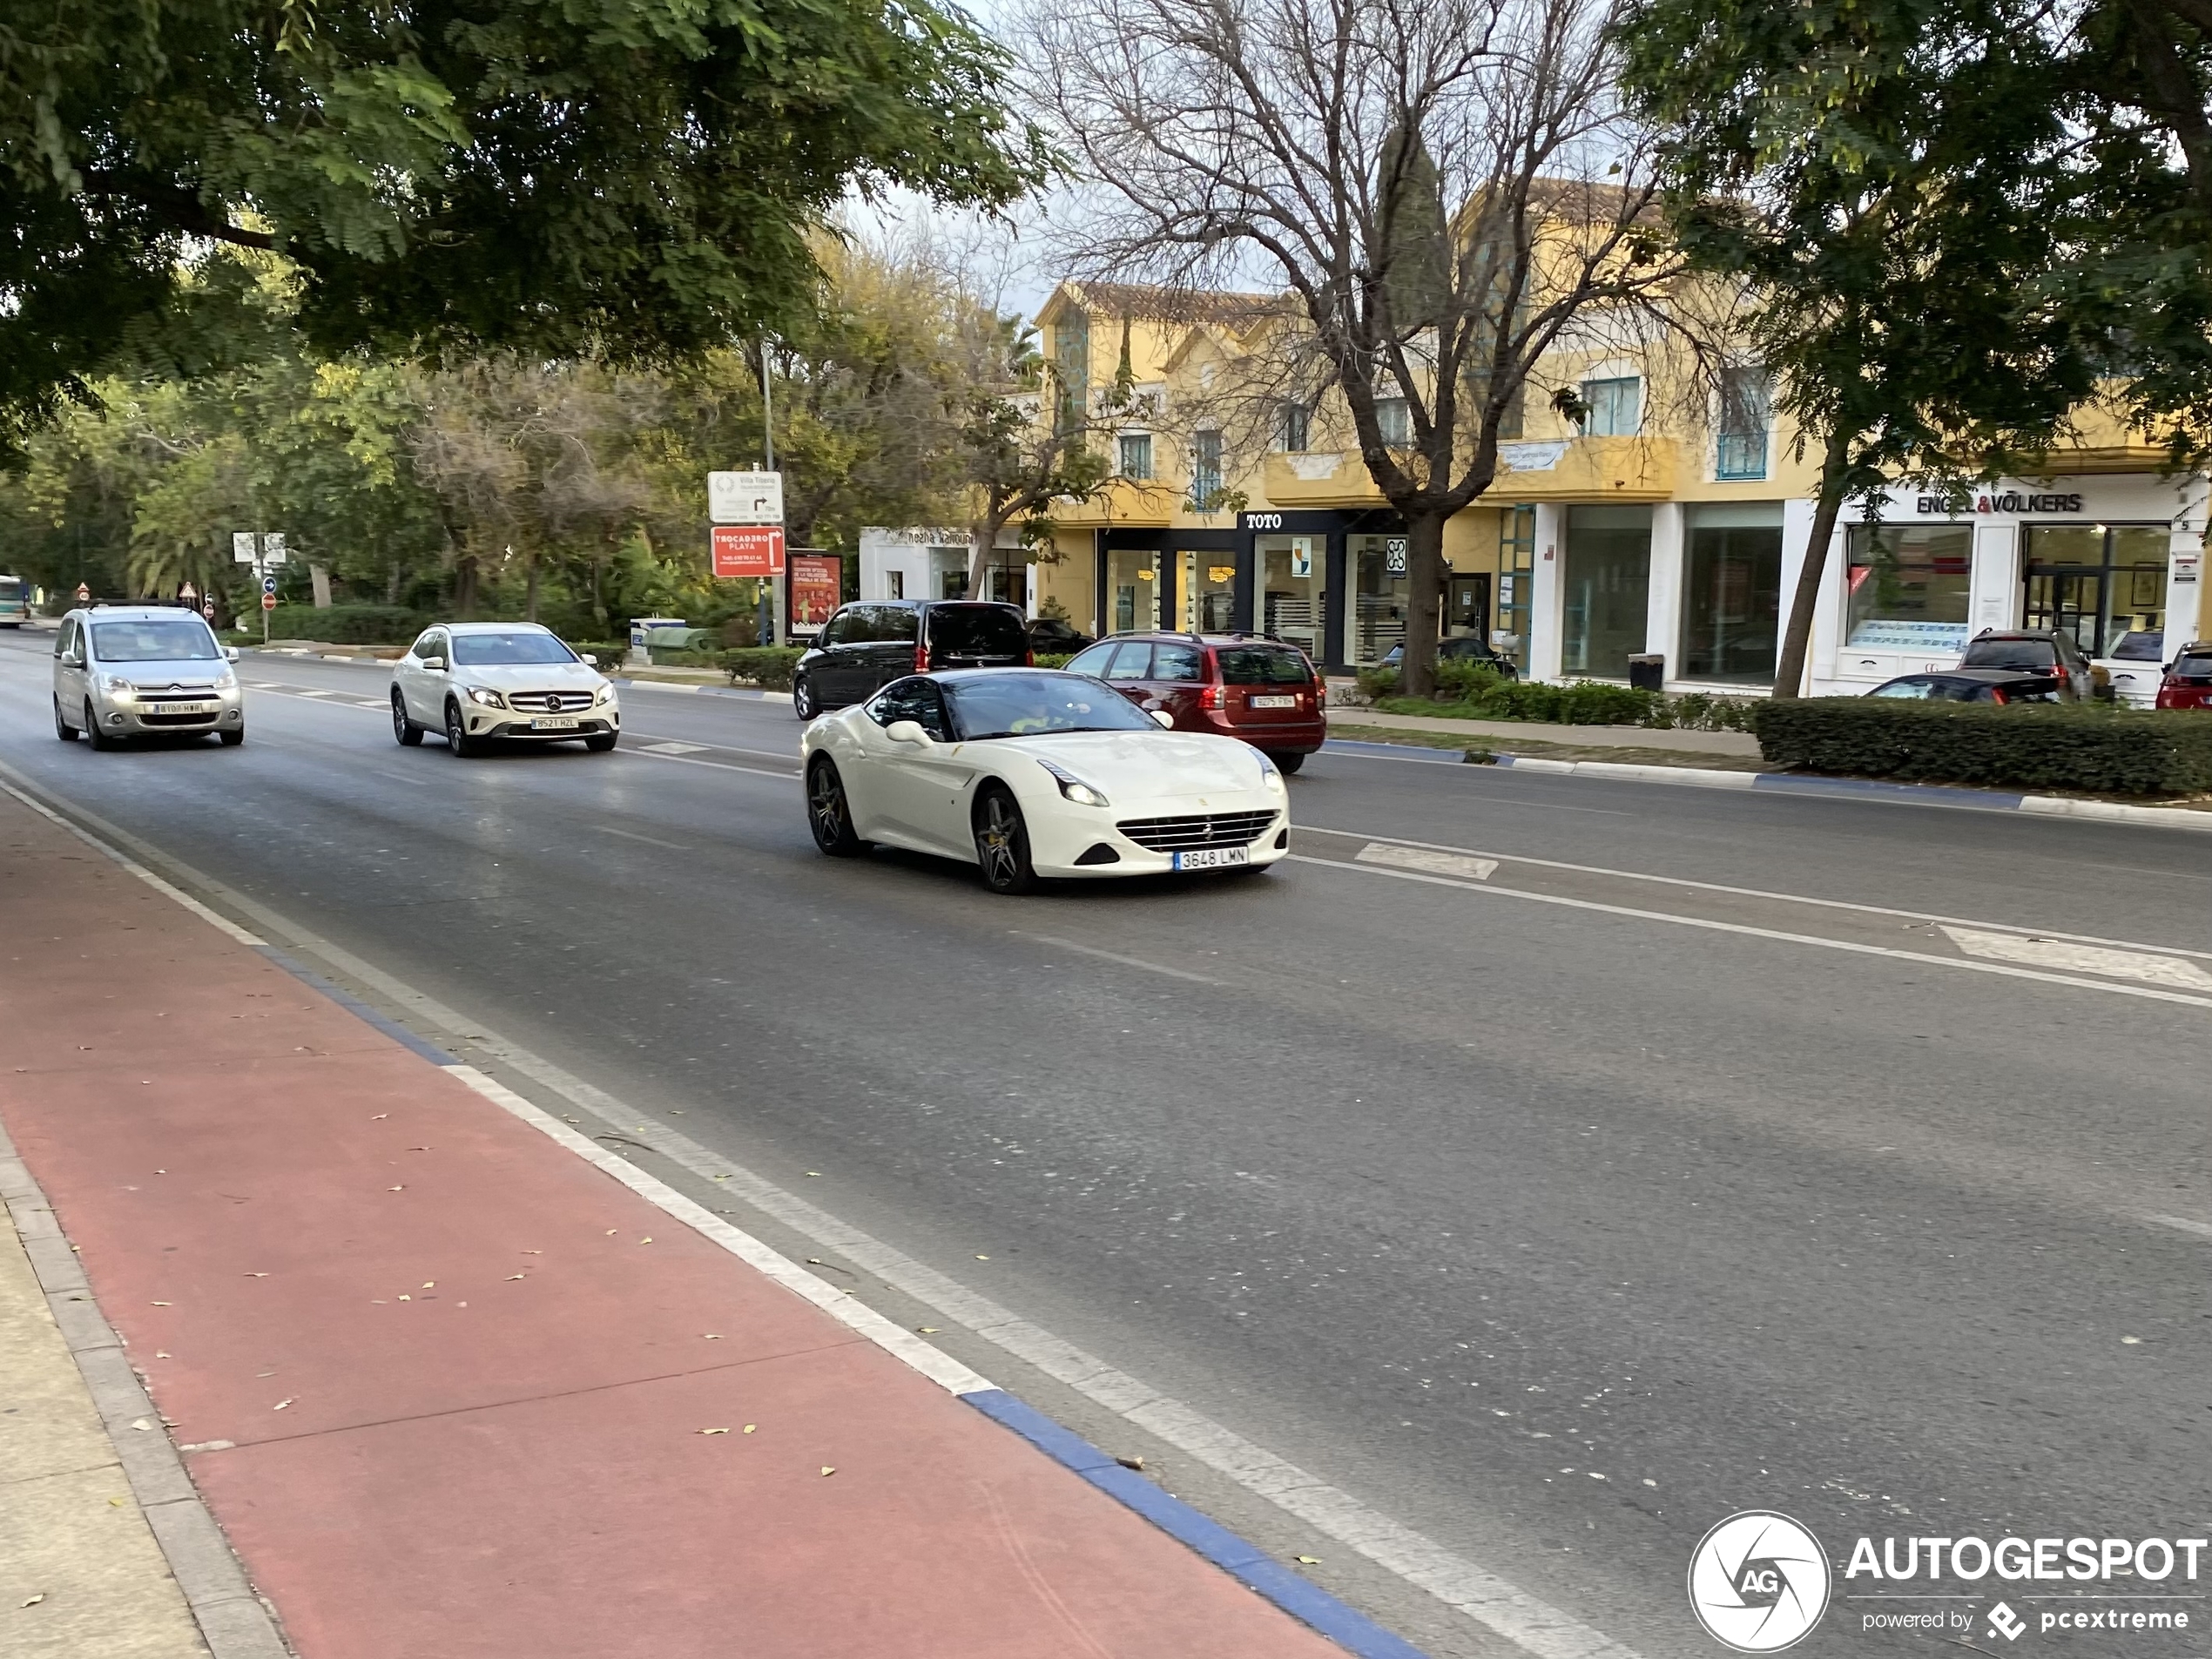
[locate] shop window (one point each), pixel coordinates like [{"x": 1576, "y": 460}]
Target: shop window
[
  {"x": 1292, "y": 427},
  {"x": 1205, "y": 468},
  {"x": 1731, "y": 592},
  {"x": 1393, "y": 422},
  {"x": 1615, "y": 407},
  {"x": 897, "y": 581},
  {"x": 2105, "y": 584},
  {"x": 1381, "y": 597},
  {"x": 1606, "y": 579},
  {"x": 1132, "y": 582},
  {"x": 1909, "y": 585},
  {"x": 1136, "y": 454},
  {"x": 1746, "y": 402},
  {"x": 1292, "y": 576}
]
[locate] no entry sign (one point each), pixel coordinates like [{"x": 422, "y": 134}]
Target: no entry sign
[{"x": 748, "y": 550}]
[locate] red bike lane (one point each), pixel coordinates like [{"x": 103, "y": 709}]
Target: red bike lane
[{"x": 452, "y": 1391}]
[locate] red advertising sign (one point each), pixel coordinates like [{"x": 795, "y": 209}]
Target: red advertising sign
[
  {"x": 817, "y": 585},
  {"x": 748, "y": 550}
]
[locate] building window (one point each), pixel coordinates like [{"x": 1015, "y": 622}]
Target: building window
[
  {"x": 1136, "y": 454},
  {"x": 2105, "y": 584},
  {"x": 898, "y": 583},
  {"x": 1909, "y": 586},
  {"x": 1615, "y": 407},
  {"x": 1291, "y": 430},
  {"x": 1606, "y": 588},
  {"x": 1732, "y": 592},
  {"x": 1394, "y": 422},
  {"x": 1205, "y": 468},
  {"x": 1747, "y": 399}
]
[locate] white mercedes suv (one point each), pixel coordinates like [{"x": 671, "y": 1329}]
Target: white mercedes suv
[{"x": 479, "y": 681}]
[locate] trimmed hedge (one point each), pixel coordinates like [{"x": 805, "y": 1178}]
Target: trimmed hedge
[
  {"x": 342, "y": 624},
  {"x": 2080, "y": 746},
  {"x": 767, "y": 666}
]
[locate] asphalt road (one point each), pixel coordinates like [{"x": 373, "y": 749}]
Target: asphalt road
[{"x": 1552, "y": 1209}]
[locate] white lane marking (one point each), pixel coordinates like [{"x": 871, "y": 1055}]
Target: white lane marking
[
  {"x": 672, "y": 747},
  {"x": 1776, "y": 934},
  {"x": 1107, "y": 955},
  {"x": 840, "y": 1305},
  {"x": 1531, "y": 1624},
  {"x": 311, "y": 691},
  {"x": 1422, "y": 858},
  {"x": 2043, "y": 951},
  {"x": 2201, "y": 1229},
  {"x": 718, "y": 765},
  {"x": 220, "y": 923},
  {"x": 651, "y": 840},
  {"x": 381, "y": 708},
  {"x": 1754, "y": 893}
]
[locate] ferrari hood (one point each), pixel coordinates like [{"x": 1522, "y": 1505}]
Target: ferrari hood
[{"x": 1132, "y": 766}]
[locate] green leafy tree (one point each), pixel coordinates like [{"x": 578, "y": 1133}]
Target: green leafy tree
[
  {"x": 1854, "y": 170},
  {"x": 633, "y": 178}
]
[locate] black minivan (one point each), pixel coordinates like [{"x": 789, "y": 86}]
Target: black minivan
[{"x": 864, "y": 647}]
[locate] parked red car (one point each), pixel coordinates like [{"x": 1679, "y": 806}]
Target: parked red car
[
  {"x": 1235, "y": 685},
  {"x": 2187, "y": 684}
]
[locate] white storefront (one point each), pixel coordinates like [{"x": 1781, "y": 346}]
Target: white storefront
[
  {"x": 930, "y": 561},
  {"x": 2113, "y": 559}
]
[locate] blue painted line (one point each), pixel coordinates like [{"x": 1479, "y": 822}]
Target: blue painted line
[
  {"x": 358, "y": 1008},
  {"x": 1302, "y": 1600},
  {"x": 1394, "y": 751},
  {"x": 1991, "y": 800}
]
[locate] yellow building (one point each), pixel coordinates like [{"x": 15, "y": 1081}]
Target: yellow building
[{"x": 1663, "y": 525}]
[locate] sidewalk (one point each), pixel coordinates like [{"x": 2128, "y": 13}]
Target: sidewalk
[
  {"x": 451, "y": 1390},
  {"x": 1624, "y": 736}
]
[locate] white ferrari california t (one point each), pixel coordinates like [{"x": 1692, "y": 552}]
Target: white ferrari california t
[{"x": 1032, "y": 773}]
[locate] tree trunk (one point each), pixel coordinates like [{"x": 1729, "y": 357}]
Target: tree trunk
[
  {"x": 982, "y": 538},
  {"x": 464, "y": 586},
  {"x": 529, "y": 590},
  {"x": 1424, "y": 603},
  {"x": 320, "y": 575},
  {"x": 1796, "y": 638},
  {"x": 392, "y": 584},
  {"x": 598, "y": 584}
]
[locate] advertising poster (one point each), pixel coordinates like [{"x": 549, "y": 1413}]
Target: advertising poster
[{"x": 817, "y": 583}]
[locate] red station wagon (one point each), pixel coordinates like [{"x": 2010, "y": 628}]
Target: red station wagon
[{"x": 1235, "y": 685}]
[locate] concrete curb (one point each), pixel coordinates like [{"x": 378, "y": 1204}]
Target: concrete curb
[{"x": 233, "y": 1621}]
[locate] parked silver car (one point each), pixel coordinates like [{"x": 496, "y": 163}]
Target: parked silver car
[{"x": 124, "y": 671}]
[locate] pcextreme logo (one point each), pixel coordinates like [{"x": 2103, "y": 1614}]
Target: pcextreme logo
[{"x": 1758, "y": 1582}]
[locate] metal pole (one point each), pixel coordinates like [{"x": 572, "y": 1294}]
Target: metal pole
[{"x": 767, "y": 411}]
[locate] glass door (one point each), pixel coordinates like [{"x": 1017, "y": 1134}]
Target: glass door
[
  {"x": 1292, "y": 573},
  {"x": 2104, "y": 584},
  {"x": 1208, "y": 590},
  {"x": 1132, "y": 591},
  {"x": 1381, "y": 597}
]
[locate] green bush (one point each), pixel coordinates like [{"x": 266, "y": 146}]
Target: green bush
[
  {"x": 1579, "y": 703},
  {"x": 767, "y": 666},
  {"x": 1376, "y": 683},
  {"x": 1054, "y": 658},
  {"x": 2091, "y": 747},
  {"x": 344, "y": 624},
  {"x": 611, "y": 653}
]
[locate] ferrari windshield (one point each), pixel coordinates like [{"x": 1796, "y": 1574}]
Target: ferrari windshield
[{"x": 1025, "y": 704}]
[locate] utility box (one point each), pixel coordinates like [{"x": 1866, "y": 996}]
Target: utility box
[
  {"x": 1648, "y": 672},
  {"x": 640, "y": 627}
]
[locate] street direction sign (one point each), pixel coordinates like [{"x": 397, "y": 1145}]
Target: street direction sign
[
  {"x": 268, "y": 601},
  {"x": 748, "y": 550},
  {"x": 242, "y": 547},
  {"x": 744, "y": 497},
  {"x": 268, "y": 584},
  {"x": 273, "y": 551}
]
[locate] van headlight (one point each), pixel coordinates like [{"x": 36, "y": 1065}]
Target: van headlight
[
  {"x": 489, "y": 698},
  {"x": 116, "y": 690},
  {"x": 226, "y": 681}
]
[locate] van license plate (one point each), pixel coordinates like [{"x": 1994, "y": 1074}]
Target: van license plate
[
  {"x": 1270, "y": 702},
  {"x": 1212, "y": 858},
  {"x": 558, "y": 723}
]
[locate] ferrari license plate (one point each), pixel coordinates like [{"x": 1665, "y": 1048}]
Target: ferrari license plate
[
  {"x": 1271, "y": 702},
  {"x": 554, "y": 722},
  {"x": 1212, "y": 858}
]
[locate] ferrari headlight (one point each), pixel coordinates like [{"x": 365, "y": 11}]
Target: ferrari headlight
[
  {"x": 1270, "y": 774},
  {"x": 1074, "y": 788},
  {"x": 489, "y": 699}
]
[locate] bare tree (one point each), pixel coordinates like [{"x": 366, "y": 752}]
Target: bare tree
[{"x": 1447, "y": 189}]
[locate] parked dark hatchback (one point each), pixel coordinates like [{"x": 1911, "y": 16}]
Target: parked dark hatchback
[
  {"x": 1234, "y": 685},
  {"x": 1975, "y": 685},
  {"x": 862, "y": 647},
  {"x": 2039, "y": 650}
]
